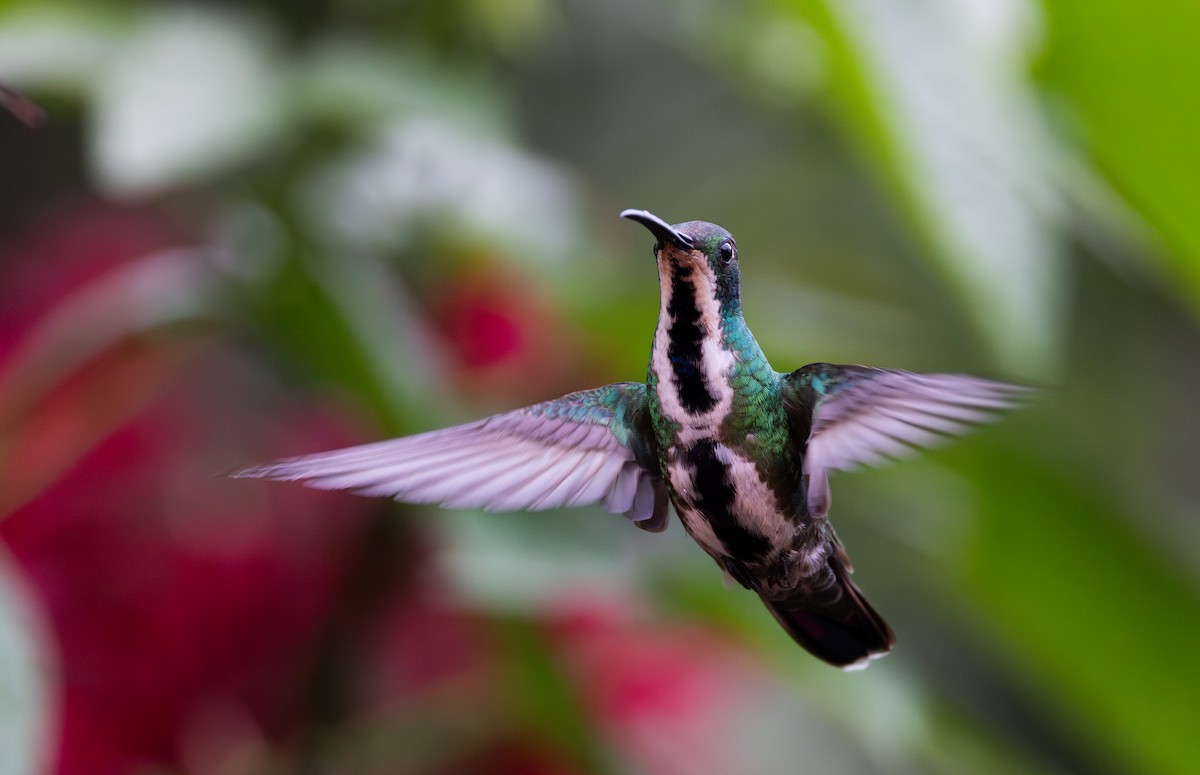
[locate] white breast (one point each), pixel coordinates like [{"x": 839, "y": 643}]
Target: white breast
[{"x": 716, "y": 363}]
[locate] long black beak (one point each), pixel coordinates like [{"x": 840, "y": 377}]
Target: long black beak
[{"x": 663, "y": 231}]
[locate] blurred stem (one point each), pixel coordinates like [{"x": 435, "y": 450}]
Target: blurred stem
[{"x": 541, "y": 695}]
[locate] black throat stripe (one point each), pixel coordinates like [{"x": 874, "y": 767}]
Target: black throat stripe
[
  {"x": 684, "y": 348},
  {"x": 715, "y": 494}
]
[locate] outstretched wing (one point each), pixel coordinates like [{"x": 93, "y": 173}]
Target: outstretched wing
[
  {"x": 594, "y": 446},
  {"x": 865, "y": 416}
]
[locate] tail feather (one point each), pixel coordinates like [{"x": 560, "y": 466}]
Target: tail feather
[{"x": 843, "y": 630}]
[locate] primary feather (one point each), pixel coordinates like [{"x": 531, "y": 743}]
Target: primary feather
[
  {"x": 570, "y": 452},
  {"x": 866, "y": 416}
]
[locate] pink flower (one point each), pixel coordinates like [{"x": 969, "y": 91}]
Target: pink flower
[{"x": 663, "y": 695}]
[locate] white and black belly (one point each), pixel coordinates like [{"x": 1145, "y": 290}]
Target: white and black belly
[{"x": 724, "y": 504}]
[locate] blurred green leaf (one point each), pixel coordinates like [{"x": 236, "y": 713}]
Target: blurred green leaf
[
  {"x": 1126, "y": 75},
  {"x": 190, "y": 93},
  {"x": 525, "y": 563},
  {"x": 1105, "y": 631},
  {"x": 933, "y": 89},
  {"x": 541, "y": 695},
  {"x": 362, "y": 83},
  {"x": 512, "y": 23},
  {"x": 59, "y": 47},
  {"x": 314, "y": 327},
  {"x": 419, "y": 172}
]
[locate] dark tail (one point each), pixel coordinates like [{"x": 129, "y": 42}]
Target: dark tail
[{"x": 842, "y": 629}]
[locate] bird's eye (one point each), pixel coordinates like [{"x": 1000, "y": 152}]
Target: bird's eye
[{"x": 727, "y": 252}]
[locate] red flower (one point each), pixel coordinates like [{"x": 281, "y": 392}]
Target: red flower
[
  {"x": 171, "y": 591},
  {"x": 504, "y": 337}
]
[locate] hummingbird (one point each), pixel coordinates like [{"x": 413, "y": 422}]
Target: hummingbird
[{"x": 742, "y": 452}]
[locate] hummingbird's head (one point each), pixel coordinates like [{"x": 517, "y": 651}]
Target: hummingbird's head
[{"x": 695, "y": 248}]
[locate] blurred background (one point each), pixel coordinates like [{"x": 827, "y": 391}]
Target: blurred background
[{"x": 250, "y": 230}]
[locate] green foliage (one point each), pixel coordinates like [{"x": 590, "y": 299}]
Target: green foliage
[
  {"x": 1117, "y": 76},
  {"x": 1091, "y": 630}
]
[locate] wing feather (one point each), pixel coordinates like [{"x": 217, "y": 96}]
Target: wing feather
[
  {"x": 587, "y": 447},
  {"x": 862, "y": 416}
]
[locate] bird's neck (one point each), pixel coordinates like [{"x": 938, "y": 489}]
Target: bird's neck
[{"x": 700, "y": 345}]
